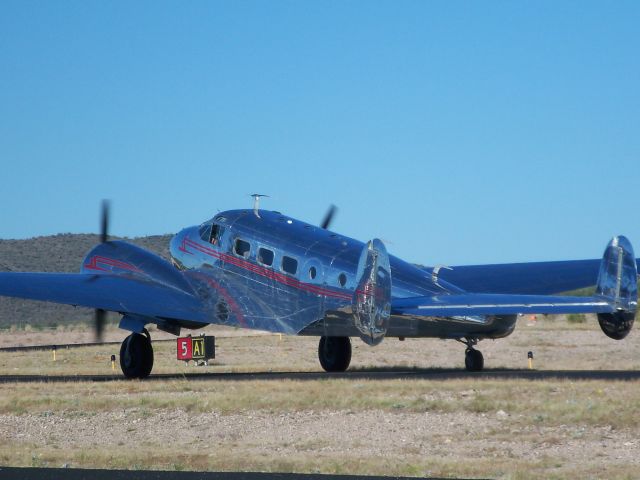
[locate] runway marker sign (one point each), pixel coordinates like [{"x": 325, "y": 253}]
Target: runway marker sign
[{"x": 196, "y": 348}]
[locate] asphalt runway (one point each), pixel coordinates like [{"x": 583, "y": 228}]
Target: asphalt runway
[
  {"x": 364, "y": 374},
  {"x": 11, "y": 473}
]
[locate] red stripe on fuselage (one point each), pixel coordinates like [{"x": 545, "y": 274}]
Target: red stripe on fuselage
[{"x": 265, "y": 272}]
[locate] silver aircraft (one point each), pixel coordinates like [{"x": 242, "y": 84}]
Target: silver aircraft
[{"x": 260, "y": 269}]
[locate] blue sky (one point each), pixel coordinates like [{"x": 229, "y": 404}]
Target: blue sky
[{"x": 458, "y": 132}]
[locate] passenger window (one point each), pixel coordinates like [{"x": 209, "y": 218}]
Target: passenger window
[
  {"x": 342, "y": 279},
  {"x": 289, "y": 265},
  {"x": 265, "y": 256},
  {"x": 312, "y": 273},
  {"x": 242, "y": 248}
]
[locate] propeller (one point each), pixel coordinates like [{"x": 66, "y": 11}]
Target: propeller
[
  {"x": 104, "y": 222},
  {"x": 100, "y": 316},
  {"x": 100, "y": 320},
  {"x": 328, "y": 217}
]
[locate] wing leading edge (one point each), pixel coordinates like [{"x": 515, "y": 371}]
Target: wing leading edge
[{"x": 497, "y": 304}]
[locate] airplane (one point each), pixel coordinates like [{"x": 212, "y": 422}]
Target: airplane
[{"x": 260, "y": 269}]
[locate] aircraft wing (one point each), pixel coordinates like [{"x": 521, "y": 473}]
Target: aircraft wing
[
  {"x": 117, "y": 293},
  {"x": 615, "y": 277},
  {"x": 498, "y": 304},
  {"x": 536, "y": 278}
]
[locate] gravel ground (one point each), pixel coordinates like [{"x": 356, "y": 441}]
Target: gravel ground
[
  {"x": 363, "y": 434},
  {"x": 371, "y": 433}
]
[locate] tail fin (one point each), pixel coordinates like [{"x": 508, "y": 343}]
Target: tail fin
[{"x": 618, "y": 284}]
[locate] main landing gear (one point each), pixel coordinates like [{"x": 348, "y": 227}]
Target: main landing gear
[
  {"x": 473, "y": 359},
  {"x": 136, "y": 355},
  {"x": 334, "y": 353}
]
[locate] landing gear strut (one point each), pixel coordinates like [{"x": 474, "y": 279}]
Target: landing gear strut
[
  {"x": 136, "y": 355},
  {"x": 334, "y": 353},
  {"x": 473, "y": 359}
]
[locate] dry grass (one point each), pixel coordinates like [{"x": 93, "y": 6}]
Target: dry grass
[{"x": 548, "y": 403}]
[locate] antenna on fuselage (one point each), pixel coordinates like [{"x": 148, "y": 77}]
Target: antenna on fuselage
[
  {"x": 436, "y": 271},
  {"x": 256, "y": 203}
]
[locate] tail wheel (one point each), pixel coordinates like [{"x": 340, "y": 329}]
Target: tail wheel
[
  {"x": 473, "y": 360},
  {"x": 334, "y": 353},
  {"x": 136, "y": 356}
]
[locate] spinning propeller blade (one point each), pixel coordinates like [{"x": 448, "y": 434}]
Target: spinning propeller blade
[
  {"x": 101, "y": 315},
  {"x": 100, "y": 320},
  {"x": 328, "y": 218},
  {"x": 104, "y": 222}
]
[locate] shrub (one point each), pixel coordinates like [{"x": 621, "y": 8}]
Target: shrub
[{"x": 576, "y": 318}]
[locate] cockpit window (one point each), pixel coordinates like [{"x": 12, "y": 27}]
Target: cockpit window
[
  {"x": 205, "y": 231},
  {"x": 289, "y": 265},
  {"x": 211, "y": 233},
  {"x": 216, "y": 233},
  {"x": 265, "y": 256},
  {"x": 242, "y": 248}
]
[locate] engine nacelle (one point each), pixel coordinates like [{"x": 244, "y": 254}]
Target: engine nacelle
[
  {"x": 617, "y": 283},
  {"x": 372, "y": 298},
  {"x": 616, "y": 325}
]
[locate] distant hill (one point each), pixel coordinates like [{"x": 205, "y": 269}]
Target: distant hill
[{"x": 56, "y": 253}]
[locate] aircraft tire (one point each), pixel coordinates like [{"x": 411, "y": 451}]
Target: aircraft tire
[
  {"x": 473, "y": 360},
  {"x": 334, "y": 353},
  {"x": 136, "y": 356}
]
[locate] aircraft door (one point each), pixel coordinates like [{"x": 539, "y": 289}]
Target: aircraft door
[{"x": 266, "y": 259}]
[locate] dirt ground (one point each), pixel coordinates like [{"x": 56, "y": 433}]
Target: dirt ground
[{"x": 512, "y": 428}]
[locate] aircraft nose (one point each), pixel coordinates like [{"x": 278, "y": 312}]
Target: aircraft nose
[{"x": 177, "y": 247}]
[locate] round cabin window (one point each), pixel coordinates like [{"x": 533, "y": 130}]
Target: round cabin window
[
  {"x": 312, "y": 273},
  {"x": 342, "y": 279}
]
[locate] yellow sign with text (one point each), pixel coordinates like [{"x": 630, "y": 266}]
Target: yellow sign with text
[{"x": 197, "y": 348}]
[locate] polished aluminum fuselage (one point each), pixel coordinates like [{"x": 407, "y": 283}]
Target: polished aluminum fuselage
[{"x": 318, "y": 298}]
